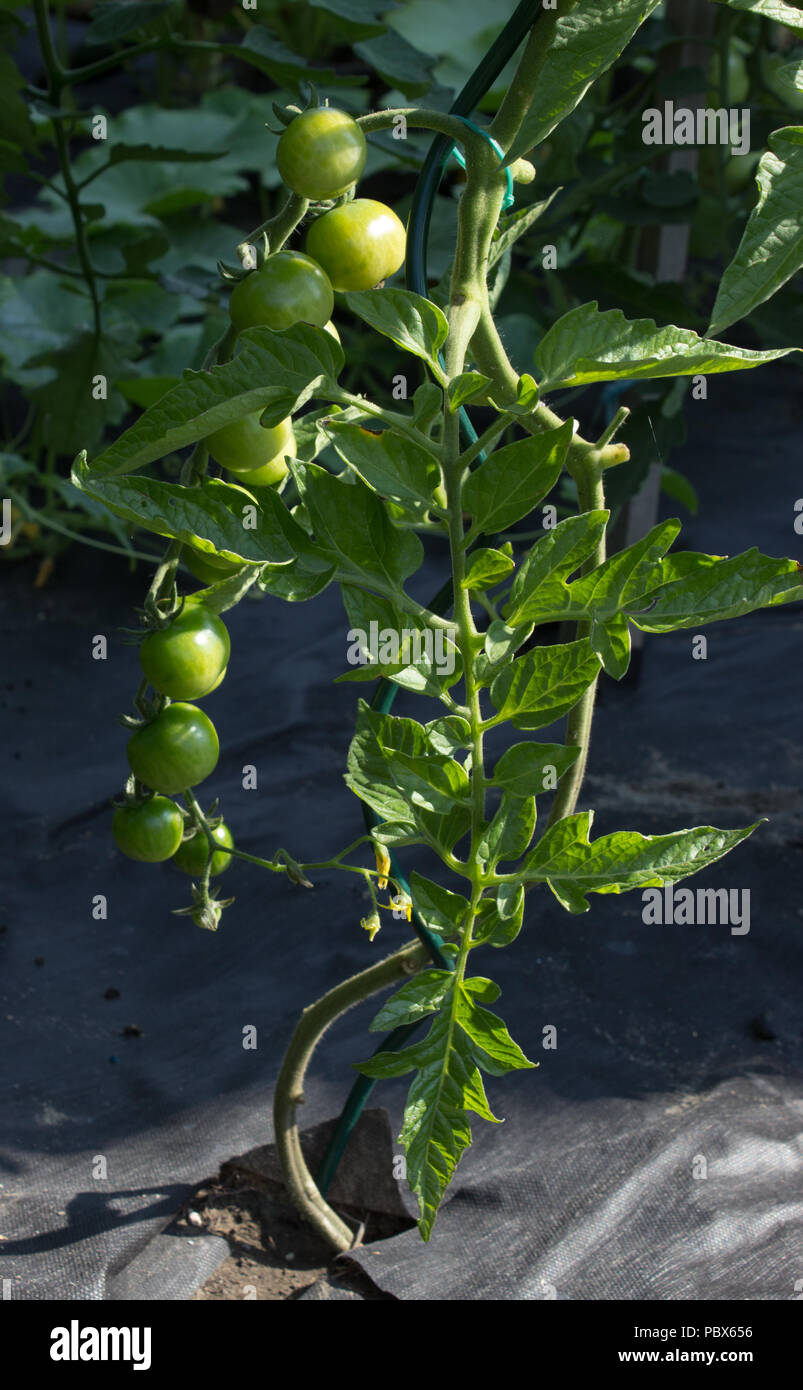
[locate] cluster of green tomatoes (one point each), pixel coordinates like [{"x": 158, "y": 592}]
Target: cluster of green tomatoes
[
  {"x": 172, "y": 753},
  {"x": 353, "y": 246}
]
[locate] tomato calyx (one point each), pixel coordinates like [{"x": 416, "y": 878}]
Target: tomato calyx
[{"x": 206, "y": 909}]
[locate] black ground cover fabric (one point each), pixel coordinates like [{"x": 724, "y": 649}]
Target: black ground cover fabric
[{"x": 679, "y": 1048}]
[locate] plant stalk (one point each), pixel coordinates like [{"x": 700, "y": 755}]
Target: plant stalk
[{"x": 289, "y": 1093}]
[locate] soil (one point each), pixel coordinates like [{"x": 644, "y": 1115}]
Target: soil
[{"x": 274, "y": 1255}]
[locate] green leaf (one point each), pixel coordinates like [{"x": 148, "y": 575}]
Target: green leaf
[
  {"x": 294, "y": 583},
  {"x": 375, "y": 736},
  {"x": 501, "y": 640},
  {"x": 422, "y": 995},
  {"x": 449, "y": 733},
  {"x": 353, "y": 532},
  {"x": 209, "y": 517},
  {"x": 262, "y": 50},
  {"x": 69, "y": 415},
  {"x": 462, "y": 388},
  {"x": 677, "y": 486},
  {"x": 544, "y": 684},
  {"x": 508, "y": 485},
  {"x": 623, "y": 579},
  {"x": 588, "y": 345},
  {"x": 486, "y": 568},
  {"x": 771, "y": 248},
  {"x": 509, "y": 833},
  {"x": 159, "y": 154},
  {"x": 392, "y": 768},
  {"x": 571, "y": 866},
  {"x": 441, "y": 910},
  {"x": 358, "y": 18},
  {"x": 499, "y": 922},
  {"x": 435, "y": 784},
  {"x": 527, "y": 394},
  {"x": 443, "y": 832},
  {"x": 528, "y": 769},
  {"x": 585, "y": 43},
  {"x": 448, "y": 1087},
  {"x": 390, "y": 463},
  {"x": 15, "y": 122},
  {"x": 292, "y": 364},
  {"x": 377, "y": 631},
  {"x": 699, "y": 589},
  {"x": 112, "y": 21},
  {"x": 539, "y": 592},
  {"x": 398, "y": 63},
  {"x": 427, "y": 405},
  {"x": 778, "y": 10},
  {"x": 226, "y": 593},
  {"x": 413, "y": 323}
]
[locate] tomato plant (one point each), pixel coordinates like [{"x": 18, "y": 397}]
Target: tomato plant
[
  {"x": 187, "y": 658},
  {"x": 358, "y": 244},
  {"x": 175, "y": 751},
  {"x": 321, "y": 153},
  {"x": 150, "y": 830},
  {"x": 494, "y": 655},
  {"x": 289, "y": 288}
]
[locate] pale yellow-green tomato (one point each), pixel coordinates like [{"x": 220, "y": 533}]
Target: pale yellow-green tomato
[{"x": 254, "y": 454}]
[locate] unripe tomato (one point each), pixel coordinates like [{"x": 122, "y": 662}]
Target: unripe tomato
[
  {"x": 192, "y": 854},
  {"x": 254, "y": 454},
  {"x": 321, "y": 153},
  {"x": 185, "y": 660},
  {"x": 210, "y": 569},
  {"x": 771, "y": 70},
  {"x": 358, "y": 244},
  {"x": 177, "y": 750},
  {"x": 738, "y": 77},
  {"x": 740, "y": 170},
  {"x": 150, "y": 832},
  {"x": 289, "y": 288}
]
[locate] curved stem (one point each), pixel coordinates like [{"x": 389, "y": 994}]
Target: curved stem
[
  {"x": 289, "y": 1093},
  {"x": 421, "y": 118},
  {"x": 280, "y": 227}
]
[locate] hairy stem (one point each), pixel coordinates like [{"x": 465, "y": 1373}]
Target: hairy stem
[
  {"x": 289, "y": 1093},
  {"x": 591, "y": 497}
]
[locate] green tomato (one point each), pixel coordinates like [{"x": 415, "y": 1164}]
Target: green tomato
[
  {"x": 289, "y": 288},
  {"x": 150, "y": 832},
  {"x": 358, "y": 244},
  {"x": 208, "y": 568},
  {"x": 192, "y": 854},
  {"x": 185, "y": 660},
  {"x": 740, "y": 170},
  {"x": 177, "y": 750},
  {"x": 245, "y": 448},
  {"x": 738, "y": 78},
  {"x": 321, "y": 153},
  {"x": 778, "y": 73}
]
